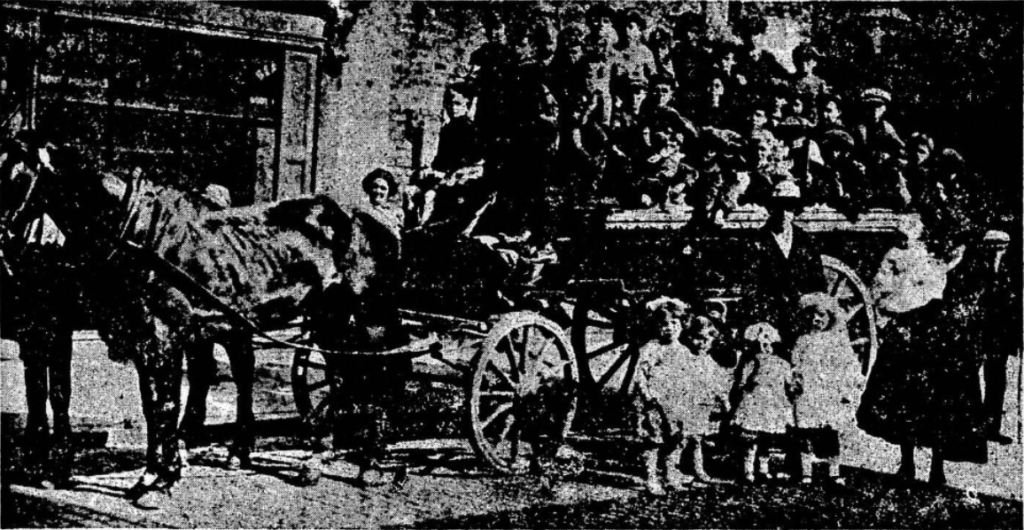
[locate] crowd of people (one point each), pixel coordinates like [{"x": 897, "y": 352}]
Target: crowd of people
[
  {"x": 594, "y": 107},
  {"x": 583, "y": 107}
]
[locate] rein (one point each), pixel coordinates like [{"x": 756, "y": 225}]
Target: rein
[{"x": 179, "y": 276}]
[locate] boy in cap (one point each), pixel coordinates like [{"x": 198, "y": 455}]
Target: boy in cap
[{"x": 881, "y": 148}]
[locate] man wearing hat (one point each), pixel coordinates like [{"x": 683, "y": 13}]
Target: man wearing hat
[
  {"x": 880, "y": 147},
  {"x": 784, "y": 263},
  {"x": 40, "y": 301}
]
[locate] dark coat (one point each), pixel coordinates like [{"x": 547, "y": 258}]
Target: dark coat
[
  {"x": 924, "y": 388},
  {"x": 779, "y": 282}
]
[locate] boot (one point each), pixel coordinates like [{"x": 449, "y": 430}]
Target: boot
[
  {"x": 653, "y": 484},
  {"x": 674, "y": 478}
]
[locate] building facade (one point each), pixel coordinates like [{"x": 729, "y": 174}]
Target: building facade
[{"x": 185, "y": 93}]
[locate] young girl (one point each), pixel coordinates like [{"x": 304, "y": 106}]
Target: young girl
[
  {"x": 829, "y": 376},
  {"x": 765, "y": 409},
  {"x": 676, "y": 392}
]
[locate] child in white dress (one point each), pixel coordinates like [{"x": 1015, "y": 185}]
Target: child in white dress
[
  {"x": 828, "y": 373},
  {"x": 765, "y": 408},
  {"x": 675, "y": 392}
]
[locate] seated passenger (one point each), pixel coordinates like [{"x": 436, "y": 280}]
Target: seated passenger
[
  {"x": 658, "y": 108},
  {"x": 919, "y": 166},
  {"x": 655, "y": 174},
  {"x": 628, "y": 146},
  {"x": 880, "y": 148},
  {"x": 583, "y": 142},
  {"x": 721, "y": 181},
  {"x": 459, "y": 159},
  {"x": 718, "y": 107},
  {"x": 807, "y": 83},
  {"x": 634, "y": 61},
  {"x": 844, "y": 180},
  {"x": 830, "y": 115}
]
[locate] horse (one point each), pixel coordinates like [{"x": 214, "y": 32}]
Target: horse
[{"x": 176, "y": 278}]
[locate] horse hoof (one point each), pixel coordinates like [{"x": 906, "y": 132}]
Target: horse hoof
[
  {"x": 310, "y": 475},
  {"x": 153, "y": 499},
  {"x": 237, "y": 462}
]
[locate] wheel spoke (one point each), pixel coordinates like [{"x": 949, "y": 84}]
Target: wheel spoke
[
  {"x": 318, "y": 385},
  {"x": 511, "y": 356},
  {"x": 853, "y": 311},
  {"x": 502, "y": 375},
  {"x": 837, "y": 286},
  {"x": 503, "y": 408},
  {"x": 614, "y": 368},
  {"x": 510, "y": 420},
  {"x": 860, "y": 341},
  {"x": 605, "y": 349},
  {"x": 314, "y": 364}
]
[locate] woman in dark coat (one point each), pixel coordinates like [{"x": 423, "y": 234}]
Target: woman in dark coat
[{"x": 924, "y": 389}]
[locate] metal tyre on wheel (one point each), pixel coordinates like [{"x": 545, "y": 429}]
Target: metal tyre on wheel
[
  {"x": 524, "y": 362},
  {"x": 853, "y": 297}
]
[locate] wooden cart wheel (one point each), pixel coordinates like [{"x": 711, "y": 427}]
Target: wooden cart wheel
[
  {"x": 312, "y": 384},
  {"x": 523, "y": 353},
  {"x": 604, "y": 337},
  {"x": 853, "y": 297}
]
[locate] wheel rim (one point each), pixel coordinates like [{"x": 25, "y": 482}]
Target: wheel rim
[
  {"x": 603, "y": 338},
  {"x": 852, "y": 296},
  {"x": 502, "y": 398},
  {"x": 312, "y": 384}
]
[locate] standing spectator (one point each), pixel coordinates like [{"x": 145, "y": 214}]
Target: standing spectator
[
  {"x": 924, "y": 389},
  {"x": 676, "y": 393},
  {"x": 1000, "y": 322},
  {"x": 785, "y": 265},
  {"x": 829, "y": 377},
  {"x": 764, "y": 409}
]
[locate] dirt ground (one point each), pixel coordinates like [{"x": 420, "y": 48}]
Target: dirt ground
[{"x": 448, "y": 488}]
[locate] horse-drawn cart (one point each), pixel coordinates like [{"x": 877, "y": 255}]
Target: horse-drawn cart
[{"x": 588, "y": 328}]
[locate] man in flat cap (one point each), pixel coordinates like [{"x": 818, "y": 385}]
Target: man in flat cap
[{"x": 880, "y": 148}]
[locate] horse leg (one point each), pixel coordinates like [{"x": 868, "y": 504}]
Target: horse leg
[
  {"x": 37, "y": 424},
  {"x": 59, "y": 353},
  {"x": 160, "y": 374},
  {"x": 243, "y": 367},
  {"x": 202, "y": 369}
]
